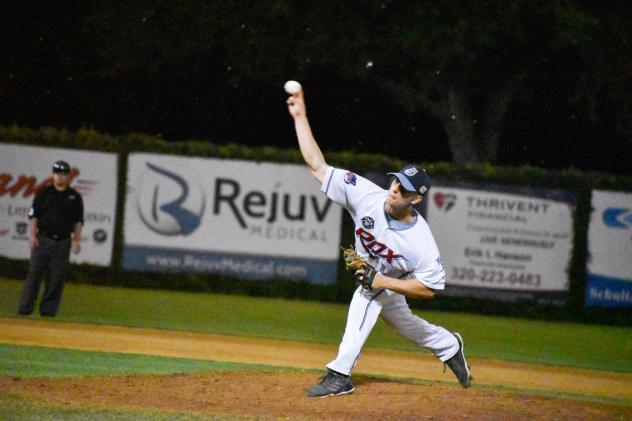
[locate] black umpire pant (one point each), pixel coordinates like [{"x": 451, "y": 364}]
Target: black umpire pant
[{"x": 52, "y": 255}]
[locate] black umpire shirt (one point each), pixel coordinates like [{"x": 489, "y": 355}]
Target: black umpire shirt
[{"x": 57, "y": 212}]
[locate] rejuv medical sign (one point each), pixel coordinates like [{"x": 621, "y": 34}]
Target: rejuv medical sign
[{"x": 246, "y": 219}]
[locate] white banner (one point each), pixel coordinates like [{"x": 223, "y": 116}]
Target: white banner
[
  {"x": 609, "y": 281},
  {"x": 254, "y": 220},
  {"x": 26, "y": 169},
  {"x": 501, "y": 241}
]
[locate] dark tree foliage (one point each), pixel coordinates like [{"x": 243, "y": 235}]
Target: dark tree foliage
[{"x": 540, "y": 82}]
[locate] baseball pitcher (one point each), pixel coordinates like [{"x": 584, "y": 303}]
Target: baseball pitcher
[{"x": 395, "y": 255}]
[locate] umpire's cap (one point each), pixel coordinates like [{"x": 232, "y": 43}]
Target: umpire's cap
[
  {"x": 61, "y": 166},
  {"x": 413, "y": 179}
]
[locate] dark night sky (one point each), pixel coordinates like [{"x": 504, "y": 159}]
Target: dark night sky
[{"x": 51, "y": 77}]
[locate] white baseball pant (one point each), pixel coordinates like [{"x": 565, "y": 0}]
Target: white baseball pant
[{"x": 364, "y": 310}]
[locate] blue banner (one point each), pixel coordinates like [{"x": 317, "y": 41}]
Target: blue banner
[
  {"x": 608, "y": 292},
  {"x": 609, "y": 279},
  {"x": 240, "y": 266}
]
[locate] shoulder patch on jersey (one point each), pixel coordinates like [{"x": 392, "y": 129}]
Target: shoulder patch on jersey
[
  {"x": 440, "y": 262},
  {"x": 368, "y": 222},
  {"x": 350, "y": 178}
]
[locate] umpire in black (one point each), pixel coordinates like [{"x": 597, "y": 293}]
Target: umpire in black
[{"x": 55, "y": 223}]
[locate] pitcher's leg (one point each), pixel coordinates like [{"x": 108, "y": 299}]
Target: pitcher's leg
[
  {"x": 442, "y": 343},
  {"x": 55, "y": 284},
  {"x": 37, "y": 265},
  {"x": 363, "y": 313}
]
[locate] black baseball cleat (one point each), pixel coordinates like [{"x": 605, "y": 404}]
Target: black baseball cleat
[
  {"x": 458, "y": 365},
  {"x": 331, "y": 384}
]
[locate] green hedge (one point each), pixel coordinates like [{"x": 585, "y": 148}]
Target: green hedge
[{"x": 577, "y": 182}]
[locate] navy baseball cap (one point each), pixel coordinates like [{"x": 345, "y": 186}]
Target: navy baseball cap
[
  {"x": 61, "y": 166},
  {"x": 413, "y": 179}
]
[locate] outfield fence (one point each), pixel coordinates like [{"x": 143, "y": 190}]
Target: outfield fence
[{"x": 230, "y": 218}]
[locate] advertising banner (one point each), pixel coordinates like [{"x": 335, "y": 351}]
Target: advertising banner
[
  {"x": 609, "y": 282},
  {"x": 513, "y": 244},
  {"x": 247, "y": 219},
  {"x": 26, "y": 169}
]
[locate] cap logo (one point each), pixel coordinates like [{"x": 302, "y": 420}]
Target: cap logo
[
  {"x": 61, "y": 166},
  {"x": 410, "y": 171},
  {"x": 423, "y": 190}
]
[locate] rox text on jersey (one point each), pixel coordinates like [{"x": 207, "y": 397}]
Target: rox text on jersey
[{"x": 376, "y": 248}]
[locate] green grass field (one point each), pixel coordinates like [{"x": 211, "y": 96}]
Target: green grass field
[
  {"x": 588, "y": 346},
  {"x": 32, "y": 361},
  {"x": 21, "y": 408}
]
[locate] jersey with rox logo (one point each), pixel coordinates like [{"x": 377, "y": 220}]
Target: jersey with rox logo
[{"x": 396, "y": 251}]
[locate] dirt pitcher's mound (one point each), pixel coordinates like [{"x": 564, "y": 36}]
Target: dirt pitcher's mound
[{"x": 282, "y": 395}]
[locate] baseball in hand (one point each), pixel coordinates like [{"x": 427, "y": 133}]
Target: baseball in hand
[{"x": 292, "y": 87}]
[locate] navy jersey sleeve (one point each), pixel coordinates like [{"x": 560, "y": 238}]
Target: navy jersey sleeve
[
  {"x": 36, "y": 207},
  {"x": 79, "y": 210}
]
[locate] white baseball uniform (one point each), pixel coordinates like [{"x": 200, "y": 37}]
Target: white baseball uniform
[{"x": 397, "y": 251}]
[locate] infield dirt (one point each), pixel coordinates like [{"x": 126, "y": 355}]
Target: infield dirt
[{"x": 423, "y": 390}]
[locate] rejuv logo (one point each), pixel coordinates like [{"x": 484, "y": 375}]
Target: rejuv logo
[{"x": 168, "y": 204}]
